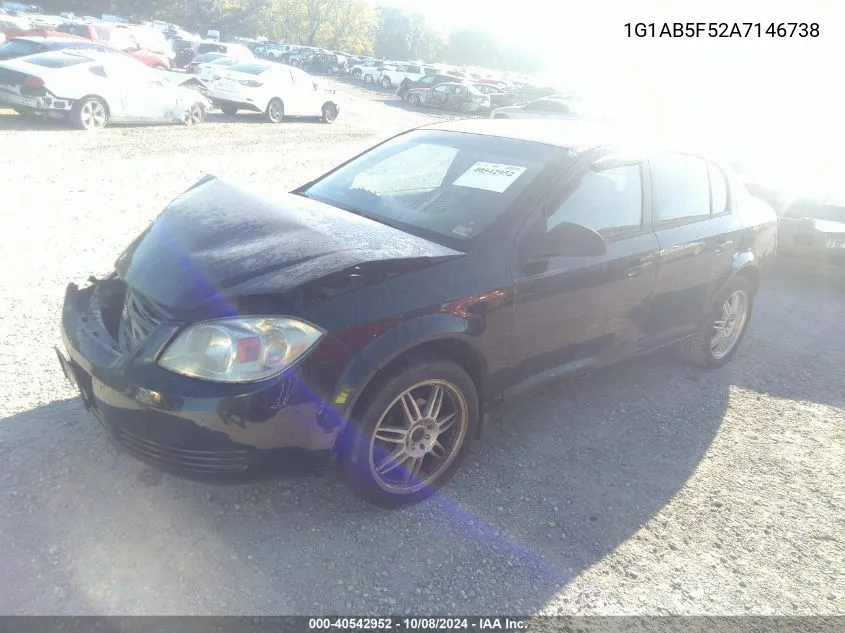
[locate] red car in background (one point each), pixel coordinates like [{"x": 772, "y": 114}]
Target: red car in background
[{"x": 120, "y": 38}]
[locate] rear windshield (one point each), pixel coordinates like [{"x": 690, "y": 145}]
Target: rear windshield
[
  {"x": 252, "y": 69},
  {"x": 57, "y": 61},
  {"x": 74, "y": 29},
  {"x": 211, "y": 48},
  {"x": 208, "y": 57},
  {"x": 803, "y": 209},
  {"x": 19, "y": 48}
]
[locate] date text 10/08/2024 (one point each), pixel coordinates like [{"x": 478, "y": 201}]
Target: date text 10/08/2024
[
  {"x": 722, "y": 29},
  {"x": 417, "y": 624}
]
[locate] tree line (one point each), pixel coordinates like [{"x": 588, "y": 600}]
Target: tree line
[{"x": 355, "y": 26}]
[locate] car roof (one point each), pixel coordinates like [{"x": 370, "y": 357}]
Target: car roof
[
  {"x": 576, "y": 135},
  {"x": 88, "y": 53}
]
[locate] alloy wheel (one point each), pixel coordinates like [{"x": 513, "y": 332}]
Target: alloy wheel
[
  {"x": 93, "y": 115},
  {"x": 329, "y": 112},
  {"x": 275, "y": 111},
  {"x": 418, "y": 436},
  {"x": 727, "y": 329},
  {"x": 195, "y": 115}
]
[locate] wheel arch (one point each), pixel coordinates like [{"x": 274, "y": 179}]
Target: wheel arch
[
  {"x": 751, "y": 272},
  {"x": 96, "y": 96},
  {"x": 375, "y": 363},
  {"x": 745, "y": 265}
]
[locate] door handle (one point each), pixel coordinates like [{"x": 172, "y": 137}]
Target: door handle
[
  {"x": 721, "y": 246},
  {"x": 636, "y": 270}
]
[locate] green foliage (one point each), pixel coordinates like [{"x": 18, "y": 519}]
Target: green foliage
[{"x": 403, "y": 35}]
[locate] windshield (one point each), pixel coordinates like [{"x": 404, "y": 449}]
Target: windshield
[{"x": 448, "y": 184}]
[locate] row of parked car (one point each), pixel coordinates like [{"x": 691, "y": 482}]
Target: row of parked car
[
  {"x": 90, "y": 84},
  {"x": 142, "y": 42}
]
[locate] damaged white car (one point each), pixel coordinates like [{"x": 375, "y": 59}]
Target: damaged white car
[{"x": 91, "y": 89}]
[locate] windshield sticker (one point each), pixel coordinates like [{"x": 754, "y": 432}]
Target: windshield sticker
[
  {"x": 490, "y": 176},
  {"x": 463, "y": 231}
]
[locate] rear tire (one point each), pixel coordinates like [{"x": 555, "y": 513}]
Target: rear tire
[
  {"x": 356, "y": 74},
  {"x": 414, "y": 100},
  {"x": 435, "y": 454},
  {"x": 385, "y": 82},
  {"x": 229, "y": 110},
  {"x": 700, "y": 348},
  {"x": 89, "y": 113},
  {"x": 195, "y": 115},
  {"x": 368, "y": 79},
  {"x": 275, "y": 111}
]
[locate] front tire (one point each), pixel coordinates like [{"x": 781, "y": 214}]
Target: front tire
[
  {"x": 723, "y": 328},
  {"x": 412, "y": 432},
  {"x": 385, "y": 82},
  {"x": 275, "y": 111},
  {"x": 356, "y": 74},
  {"x": 330, "y": 112},
  {"x": 89, "y": 114},
  {"x": 368, "y": 79}
]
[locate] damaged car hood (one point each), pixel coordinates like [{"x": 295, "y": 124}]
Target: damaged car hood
[{"x": 218, "y": 241}]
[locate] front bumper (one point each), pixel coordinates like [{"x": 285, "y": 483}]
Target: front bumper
[{"x": 189, "y": 426}]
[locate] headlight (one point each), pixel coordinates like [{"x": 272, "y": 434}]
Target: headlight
[{"x": 239, "y": 349}]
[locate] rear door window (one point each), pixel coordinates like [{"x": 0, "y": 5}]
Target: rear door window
[{"x": 680, "y": 187}]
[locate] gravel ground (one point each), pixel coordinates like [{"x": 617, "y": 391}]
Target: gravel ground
[{"x": 647, "y": 488}]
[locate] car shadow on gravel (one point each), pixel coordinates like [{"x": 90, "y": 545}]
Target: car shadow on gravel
[
  {"x": 446, "y": 114},
  {"x": 563, "y": 475},
  {"x": 12, "y": 121},
  {"x": 252, "y": 118}
]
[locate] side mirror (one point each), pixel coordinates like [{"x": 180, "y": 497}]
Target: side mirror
[{"x": 569, "y": 240}]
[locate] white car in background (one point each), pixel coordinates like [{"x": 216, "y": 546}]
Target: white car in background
[
  {"x": 545, "y": 108},
  {"x": 357, "y": 71},
  {"x": 276, "y": 51},
  {"x": 392, "y": 77},
  {"x": 277, "y": 90},
  {"x": 372, "y": 74},
  {"x": 91, "y": 89},
  {"x": 209, "y": 70}
]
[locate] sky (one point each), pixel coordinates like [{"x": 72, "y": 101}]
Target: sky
[{"x": 765, "y": 95}]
